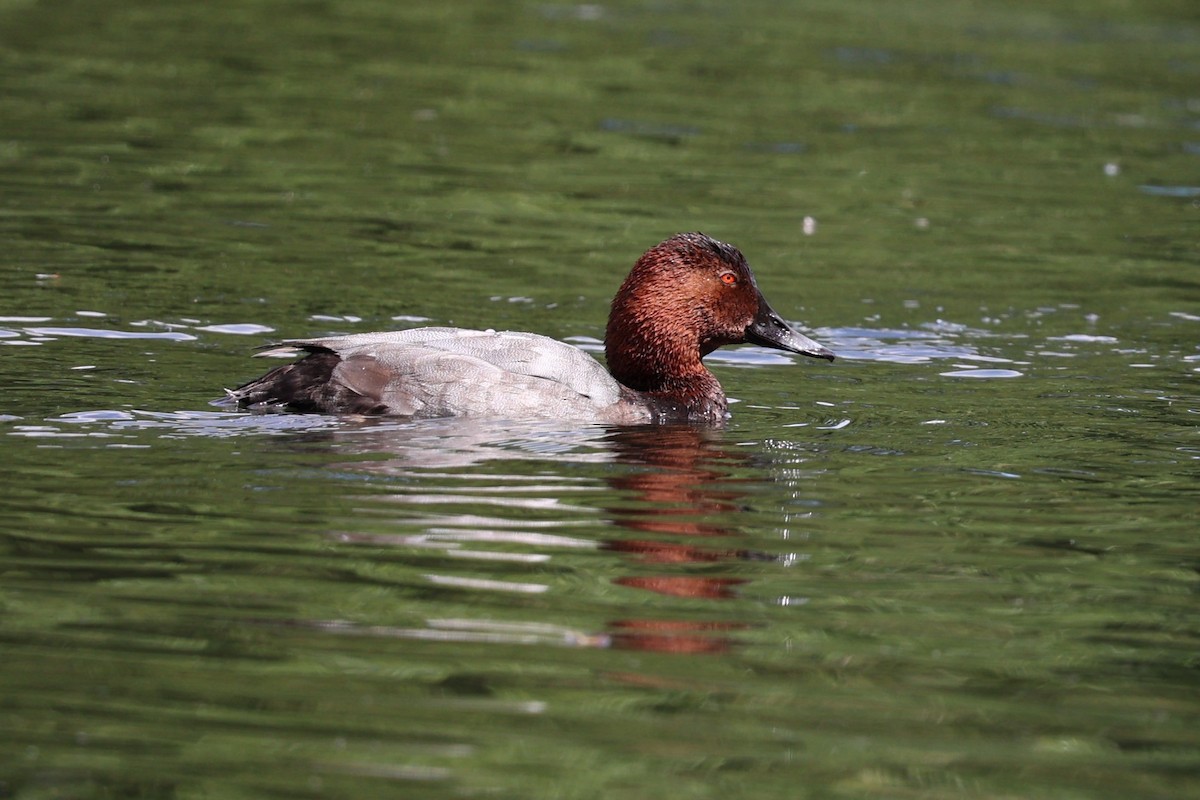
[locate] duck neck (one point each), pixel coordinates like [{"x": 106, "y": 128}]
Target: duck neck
[
  {"x": 696, "y": 398},
  {"x": 662, "y": 364}
]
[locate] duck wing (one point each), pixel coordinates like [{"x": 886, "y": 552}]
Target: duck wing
[{"x": 436, "y": 372}]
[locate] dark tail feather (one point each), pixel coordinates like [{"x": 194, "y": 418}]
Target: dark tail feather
[{"x": 305, "y": 385}]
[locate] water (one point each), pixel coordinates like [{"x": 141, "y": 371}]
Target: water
[{"x": 960, "y": 561}]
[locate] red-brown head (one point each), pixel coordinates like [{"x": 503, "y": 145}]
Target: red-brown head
[{"x": 683, "y": 299}]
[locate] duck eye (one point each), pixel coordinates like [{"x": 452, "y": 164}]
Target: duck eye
[{"x": 729, "y": 278}]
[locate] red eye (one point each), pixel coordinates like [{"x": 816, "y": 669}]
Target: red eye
[{"x": 729, "y": 279}]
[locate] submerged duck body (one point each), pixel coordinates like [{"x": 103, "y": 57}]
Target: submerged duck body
[{"x": 684, "y": 298}]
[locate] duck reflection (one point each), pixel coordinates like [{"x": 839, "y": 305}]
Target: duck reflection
[
  {"x": 681, "y": 480},
  {"x": 672, "y": 492}
]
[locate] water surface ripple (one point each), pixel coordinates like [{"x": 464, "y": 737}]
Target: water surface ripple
[{"x": 960, "y": 561}]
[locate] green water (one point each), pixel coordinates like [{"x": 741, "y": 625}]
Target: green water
[{"x": 961, "y": 561}]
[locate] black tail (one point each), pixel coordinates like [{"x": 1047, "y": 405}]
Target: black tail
[{"x": 306, "y": 385}]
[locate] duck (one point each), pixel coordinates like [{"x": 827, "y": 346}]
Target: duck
[{"x": 684, "y": 298}]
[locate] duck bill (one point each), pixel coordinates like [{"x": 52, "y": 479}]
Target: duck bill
[{"x": 769, "y": 330}]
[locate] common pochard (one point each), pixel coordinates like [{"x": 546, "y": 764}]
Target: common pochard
[{"x": 683, "y": 299}]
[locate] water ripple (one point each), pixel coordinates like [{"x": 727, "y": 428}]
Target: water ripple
[
  {"x": 98, "y": 333},
  {"x": 939, "y": 340}
]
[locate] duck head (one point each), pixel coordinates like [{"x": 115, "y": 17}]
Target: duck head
[{"x": 684, "y": 298}]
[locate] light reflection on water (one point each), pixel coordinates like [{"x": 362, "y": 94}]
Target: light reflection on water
[
  {"x": 919, "y": 344},
  {"x": 972, "y": 352},
  {"x": 674, "y": 506},
  {"x": 472, "y": 571}
]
